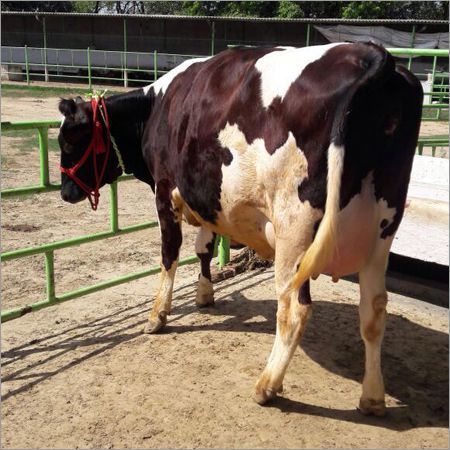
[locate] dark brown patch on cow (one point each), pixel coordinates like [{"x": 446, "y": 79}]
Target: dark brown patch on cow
[
  {"x": 374, "y": 326},
  {"x": 205, "y": 258},
  {"x": 181, "y": 137},
  {"x": 304, "y": 295},
  {"x": 383, "y": 223},
  {"x": 171, "y": 236}
]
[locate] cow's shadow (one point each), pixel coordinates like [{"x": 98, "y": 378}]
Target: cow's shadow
[{"x": 415, "y": 358}]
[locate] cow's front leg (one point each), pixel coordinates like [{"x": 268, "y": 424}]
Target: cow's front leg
[
  {"x": 171, "y": 238},
  {"x": 372, "y": 312},
  {"x": 294, "y": 310},
  {"x": 204, "y": 247}
]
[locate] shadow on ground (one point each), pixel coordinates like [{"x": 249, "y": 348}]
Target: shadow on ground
[{"x": 415, "y": 358}]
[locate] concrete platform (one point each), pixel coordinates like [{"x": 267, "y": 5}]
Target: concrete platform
[{"x": 423, "y": 233}]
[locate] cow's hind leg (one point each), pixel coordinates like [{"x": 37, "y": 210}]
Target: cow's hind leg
[
  {"x": 372, "y": 312},
  {"x": 204, "y": 247},
  {"x": 294, "y": 310},
  {"x": 171, "y": 238}
]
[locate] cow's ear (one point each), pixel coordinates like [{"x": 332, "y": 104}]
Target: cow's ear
[
  {"x": 67, "y": 107},
  {"x": 78, "y": 99}
]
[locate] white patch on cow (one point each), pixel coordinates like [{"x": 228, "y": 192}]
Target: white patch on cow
[
  {"x": 163, "y": 83},
  {"x": 279, "y": 69},
  {"x": 204, "y": 237},
  {"x": 167, "y": 279},
  {"x": 259, "y": 191},
  {"x": 205, "y": 292},
  {"x": 386, "y": 213},
  {"x": 359, "y": 222}
]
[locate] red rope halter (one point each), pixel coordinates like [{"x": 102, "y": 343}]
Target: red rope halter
[{"x": 96, "y": 147}]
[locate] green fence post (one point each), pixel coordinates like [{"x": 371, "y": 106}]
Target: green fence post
[
  {"x": 50, "y": 275},
  {"x": 308, "y": 34},
  {"x": 27, "y": 68},
  {"x": 114, "y": 207},
  {"x": 45, "y": 50},
  {"x": 224, "y": 251},
  {"x": 433, "y": 77},
  {"x": 43, "y": 155},
  {"x": 213, "y": 37},
  {"x": 155, "y": 65},
  {"x": 89, "y": 67},
  {"x": 413, "y": 38},
  {"x": 125, "y": 49}
]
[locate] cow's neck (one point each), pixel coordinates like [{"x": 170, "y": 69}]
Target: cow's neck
[{"x": 128, "y": 114}]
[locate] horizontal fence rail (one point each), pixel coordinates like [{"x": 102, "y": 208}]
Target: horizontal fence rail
[
  {"x": 109, "y": 66},
  {"x": 48, "y": 250}
]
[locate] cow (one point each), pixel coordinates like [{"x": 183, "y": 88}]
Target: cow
[{"x": 303, "y": 154}]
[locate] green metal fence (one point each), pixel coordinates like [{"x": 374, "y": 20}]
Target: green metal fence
[
  {"x": 97, "y": 66},
  {"x": 48, "y": 249},
  {"x": 438, "y": 95}
]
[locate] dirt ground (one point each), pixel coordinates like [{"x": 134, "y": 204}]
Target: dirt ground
[{"x": 81, "y": 374}]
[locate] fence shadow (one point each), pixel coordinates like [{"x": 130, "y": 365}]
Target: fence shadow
[{"x": 415, "y": 358}]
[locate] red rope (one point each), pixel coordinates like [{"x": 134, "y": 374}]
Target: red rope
[{"x": 96, "y": 147}]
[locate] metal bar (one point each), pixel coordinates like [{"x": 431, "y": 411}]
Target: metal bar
[
  {"x": 28, "y": 251},
  {"x": 6, "y": 126},
  {"x": 43, "y": 156},
  {"x": 155, "y": 65},
  {"x": 89, "y": 67},
  {"x": 433, "y": 76},
  {"x": 19, "y": 312},
  {"x": 413, "y": 37},
  {"x": 27, "y": 67},
  {"x": 125, "y": 74},
  {"x": 51, "y": 187},
  {"x": 45, "y": 49},
  {"x": 418, "y": 51},
  {"x": 224, "y": 251},
  {"x": 114, "y": 207},
  {"x": 50, "y": 275},
  {"x": 308, "y": 34},
  {"x": 213, "y": 37},
  {"x": 16, "y": 192}
]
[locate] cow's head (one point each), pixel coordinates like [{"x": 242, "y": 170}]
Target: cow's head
[{"x": 86, "y": 160}]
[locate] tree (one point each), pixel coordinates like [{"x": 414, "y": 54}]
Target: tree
[
  {"x": 289, "y": 10},
  {"x": 283, "y": 8},
  {"x": 37, "y": 6}
]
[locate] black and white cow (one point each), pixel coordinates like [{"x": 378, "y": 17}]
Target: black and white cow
[{"x": 303, "y": 154}]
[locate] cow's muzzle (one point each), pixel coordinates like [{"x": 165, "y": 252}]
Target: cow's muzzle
[{"x": 71, "y": 193}]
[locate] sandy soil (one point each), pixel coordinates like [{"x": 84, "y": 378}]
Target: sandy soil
[{"x": 81, "y": 374}]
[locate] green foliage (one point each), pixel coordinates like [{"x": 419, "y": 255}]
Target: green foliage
[
  {"x": 368, "y": 10},
  {"x": 283, "y": 8},
  {"x": 37, "y": 6},
  {"x": 290, "y": 10},
  {"x": 86, "y": 7},
  {"x": 396, "y": 10}
]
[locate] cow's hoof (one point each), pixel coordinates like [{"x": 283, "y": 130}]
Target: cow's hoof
[
  {"x": 263, "y": 396},
  {"x": 154, "y": 325},
  {"x": 369, "y": 406},
  {"x": 204, "y": 299}
]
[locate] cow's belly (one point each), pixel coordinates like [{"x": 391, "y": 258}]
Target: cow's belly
[{"x": 249, "y": 226}]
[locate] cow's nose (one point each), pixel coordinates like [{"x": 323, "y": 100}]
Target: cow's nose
[{"x": 64, "y": 196}]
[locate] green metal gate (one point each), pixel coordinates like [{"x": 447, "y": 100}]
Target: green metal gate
[{"x": 48, "y": 249}]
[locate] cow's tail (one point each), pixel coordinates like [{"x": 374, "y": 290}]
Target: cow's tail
[
  {"x": 321, "y": 250},
  {"x": 377, "y": 63}
]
